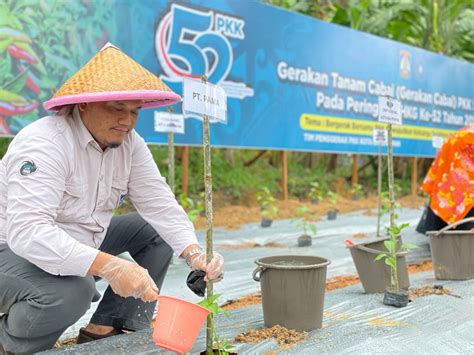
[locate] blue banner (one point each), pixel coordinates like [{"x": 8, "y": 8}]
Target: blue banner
[{"x": 293, "y": 82}]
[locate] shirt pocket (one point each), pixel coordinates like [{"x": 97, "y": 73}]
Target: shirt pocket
[
  {"x": 72, "y": 202},
  {"x": 118, "y": 193}
]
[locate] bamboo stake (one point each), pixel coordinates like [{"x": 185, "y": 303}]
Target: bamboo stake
[
  {"x": 393, "y": 271},
  {"x": 355, "y": 170},
  {"x": 379, "y": 189},
  {"x": 284, "y": 174},
  {"x": 390, "y": 176},
  {"x": 171, "y": 181},
  {"x": 185, "y": 165},
  {"x": 208, "y": 205},
  {"x": 414, "y": 176}
]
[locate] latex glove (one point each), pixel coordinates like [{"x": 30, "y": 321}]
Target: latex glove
[
  {"x": 214, "y": 270},
  {"x": 128, "y": 279}
]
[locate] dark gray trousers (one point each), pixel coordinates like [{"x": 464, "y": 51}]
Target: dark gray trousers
[{"x": 39, "y": 306}]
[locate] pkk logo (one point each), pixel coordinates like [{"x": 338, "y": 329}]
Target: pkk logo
[
  {"x": 191, "y": 42},
  {"x": 27, "y": 167},
  {"x": 405, "y": 64}
]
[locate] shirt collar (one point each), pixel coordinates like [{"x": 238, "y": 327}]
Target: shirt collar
[{"x": 85, "y": 137}]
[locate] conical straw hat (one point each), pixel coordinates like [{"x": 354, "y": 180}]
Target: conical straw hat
[{"x": 111, "y": 75}]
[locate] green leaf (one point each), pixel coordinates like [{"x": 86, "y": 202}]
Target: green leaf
[
  {"x": 380, "y": 256},
  {"x": 403, "y": 226},
  {"x": 341, "y": 17},
  {"x": 390, "y": 262},
  {"x": 192, "y": 215},
  {"x": 390, "y": 245},
  {"x": 313, "y": 229}
]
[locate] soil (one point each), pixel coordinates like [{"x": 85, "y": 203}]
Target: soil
[
  {"x": 431, "y": 290},
  {"x": 65, "y": 342},
  {"x": 286, "y": 338},
  {"x": 232, "y": 217},
  {"x": 359, "y": 235}
]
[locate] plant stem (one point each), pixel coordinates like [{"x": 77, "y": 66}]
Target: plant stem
[{"x": 208, "y": 206}]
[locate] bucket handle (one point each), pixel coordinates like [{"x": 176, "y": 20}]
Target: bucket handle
[
  {"x": 375, "y": 251},
  {"x": 455, "y": 224},
  {"x": 257, "y": 273}
]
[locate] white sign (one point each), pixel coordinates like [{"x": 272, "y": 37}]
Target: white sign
[
  {"x": 379, "y": 136},
  {"x": 437, "y": 142},
  {"x": 169, "y": 122},
  {"x": 390, "y": 110},
  {"x": 205, "y": 99}
]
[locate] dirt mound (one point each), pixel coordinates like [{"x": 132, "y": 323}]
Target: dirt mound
[
  {"x": 232, "y": 217},
  {"x": 285, "y": 337}
]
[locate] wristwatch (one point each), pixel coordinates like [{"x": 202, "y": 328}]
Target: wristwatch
[{"x": 190, "y": 254}]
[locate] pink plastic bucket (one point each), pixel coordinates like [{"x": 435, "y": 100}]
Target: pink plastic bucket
[{"x": 177, "y": 323}]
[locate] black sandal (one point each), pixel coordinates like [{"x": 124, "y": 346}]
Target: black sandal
[{"x": 85, "y": 336}]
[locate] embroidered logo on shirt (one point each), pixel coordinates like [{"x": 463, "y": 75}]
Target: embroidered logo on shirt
[{"x": 27, "y": 167}]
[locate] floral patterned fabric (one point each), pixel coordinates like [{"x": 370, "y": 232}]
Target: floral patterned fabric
[{"x": 450, "y": 180}]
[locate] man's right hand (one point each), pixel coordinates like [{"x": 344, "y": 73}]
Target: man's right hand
[{"x": 126, "y": 279}]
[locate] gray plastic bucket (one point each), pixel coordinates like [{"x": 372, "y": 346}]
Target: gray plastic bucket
[
  {"x": 293, "y": 288},
  {"x": 452, "y": 252},
  {"x": 375, "y": 275}
]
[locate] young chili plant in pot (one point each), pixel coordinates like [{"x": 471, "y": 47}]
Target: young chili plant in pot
[
  {"x": 220, "y": 346},
  {"x": 357, "y": 192},
  {"x": 316, "y": 193},
  {"x": 394, "y": 295},
  {"x": 332, "y": 213},
  {"x": 308, "y": 229},
  {"x": 268, "y": 209}
]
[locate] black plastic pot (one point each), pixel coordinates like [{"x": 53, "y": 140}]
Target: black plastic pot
[
  {"x": 304, "y": 240},
  {"x": 396, "y": 298},
  {"x": 216, "y": 351},
  {"x": 332, "y": 215},
  {"x": 266, "y": 222}
]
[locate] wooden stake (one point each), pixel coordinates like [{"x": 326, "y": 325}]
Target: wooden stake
[
  {"x": 171, "y": 181},
  {"x": 284, "y": 174},
  {"x": 184, "y": 175},
  {"x": 208, "y": 204},
  {"x": 355, "y": 170},
  {"x": 390, "y": 176},
  {"x": 379, "y": 189},
  {"x": 414, "y": 176},
  {"x": 393, "y": 270},
  {"x": 171, "y": 161}
]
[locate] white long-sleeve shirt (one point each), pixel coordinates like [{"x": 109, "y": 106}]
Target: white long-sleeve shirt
[{"x": 58, "y": 189}]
